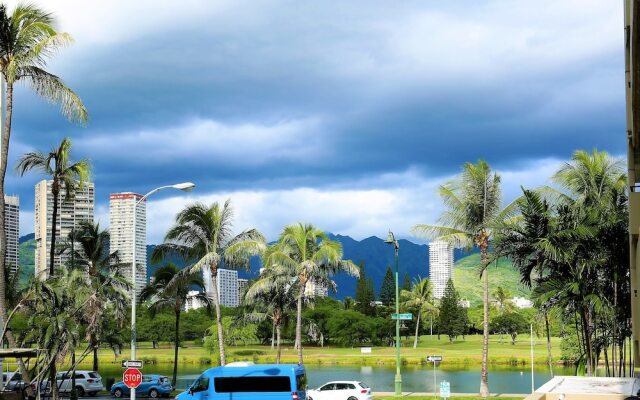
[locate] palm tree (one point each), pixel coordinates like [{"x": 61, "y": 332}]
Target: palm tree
[
  {"x": 168, "y": 291},
  {"x": 273, "y": 297},
  {"x": 103, "y": 277},
  {"x": 66, "y": 176},
  {"x": 419, "y": 298},
  {"x": 474, "y": 209},
  {"x": 203, "y": 234},
  {"x": 27, "y": 40},
  {"x": 306, "y": 253}
]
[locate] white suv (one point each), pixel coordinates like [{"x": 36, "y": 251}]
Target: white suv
[
  {"x": 87, "y": 383},
  {"x": 341, "y": 390}
]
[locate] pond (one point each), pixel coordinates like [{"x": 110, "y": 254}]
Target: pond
[{"x": 463, "y": 379}]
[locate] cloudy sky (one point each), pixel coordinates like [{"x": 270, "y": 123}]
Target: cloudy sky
[{"x": 344, "y": 114}]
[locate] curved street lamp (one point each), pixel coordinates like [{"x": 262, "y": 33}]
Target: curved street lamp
[
  {"x": 185, "y": 187},
  {"x": 391, "y": 239}
]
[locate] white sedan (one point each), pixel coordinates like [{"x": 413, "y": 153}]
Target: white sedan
[{"x": 341, "y": 390}]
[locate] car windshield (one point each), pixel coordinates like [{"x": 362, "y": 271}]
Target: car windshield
[
  {"x": 94, "y": 375},
  {"x": 363, "y": 385}
]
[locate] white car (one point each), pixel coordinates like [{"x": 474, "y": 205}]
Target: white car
[
  {"x": 341, "y": 390},
  {"x": 87, "y": 383}
]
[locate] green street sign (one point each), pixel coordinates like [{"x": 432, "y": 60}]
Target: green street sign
[{"x": 402, "y": 317}]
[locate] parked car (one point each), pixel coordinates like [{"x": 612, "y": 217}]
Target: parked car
[
  {"x": 341, "y": 390},
  {"x": 12, "y": 381},
  {"x": 87, "y": 383},
  {"x": 153, "y": 386},
  {"x": 247, "y": 381}
]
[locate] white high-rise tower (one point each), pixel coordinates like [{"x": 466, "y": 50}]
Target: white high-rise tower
[
  {"x": 70, "y": 213},
  {"x": 440, "y": 266},
  {"x": 121, "y": 232},
  {"x": 12, "y": 231}
]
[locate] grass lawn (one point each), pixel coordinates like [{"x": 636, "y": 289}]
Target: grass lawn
[
  {"x": 468, "y": 351},
  {"x": 450, "y": 398}
]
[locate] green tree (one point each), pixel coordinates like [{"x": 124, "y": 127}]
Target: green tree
[
  {"x": 308, "y": 255},
  {"x": 103, "y": 278},
  {"x": 502, "y": 298},
  {"x": 364, "y": 293},
  {"x": 349, "y": 328},
  {"x": 420, "y": 300},
  {"x": 452, "y": 317},
  {"x": 272, "y": 297},
  {"x": 203, "y": 234},
  {"x": 168, "y": 291},
  {"x": 510, "y": 323},
  {"x": 474, "y": 210},
  {"x": 406, "y": 282},
  {"x": 388, "y": 289},
  {"x": 67, "y": 177},
  {"x": 27, "y": 41}
]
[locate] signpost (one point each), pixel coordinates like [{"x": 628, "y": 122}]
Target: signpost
[
  {"x": 434, "y": 360},
  {"x": 132, "y": 364},
  {"x": 365, "y": 350},
  {"x": 132, "y": 378},
  {"x": 445, "y": 389},
  {"x": 402, "y": 317}
]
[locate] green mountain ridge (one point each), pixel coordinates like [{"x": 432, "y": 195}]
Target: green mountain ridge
[{"x": 466, "y": 279}]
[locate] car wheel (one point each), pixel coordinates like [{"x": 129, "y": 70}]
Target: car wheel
[
  {"x": 352, "y": 398},
  {"x": 80, "y": 391},
  {"x": 153, "y": 394},
  {"x": 118, "y": 393}
]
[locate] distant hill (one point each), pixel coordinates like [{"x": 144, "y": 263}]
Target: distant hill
[
  {"x": 376, "y": 254},
  {"x": 466, "y": 279}
]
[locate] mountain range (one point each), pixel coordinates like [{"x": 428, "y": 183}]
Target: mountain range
[{"x": 374, "y": 252}]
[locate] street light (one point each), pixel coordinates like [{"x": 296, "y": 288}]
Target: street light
[
  {"x": 391, "y": 239},
  {"x": 185, "y": 187}
]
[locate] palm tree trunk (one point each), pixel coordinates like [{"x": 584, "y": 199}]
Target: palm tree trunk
[
  {"x": 54, "y": 222},
  {"x": 299, "y": 324},
  {"x": 484, "y": 379},
  {"x": 216, "y": 303},
  {"x": 95, "y": 356},
  {"x": 53, "y": 383},
  {"x": 174, "y": 379},
  {"x": 548, "y": 331},
  {"x": 587, "y": 339},
  {"x": 273, "y": 334},
  {"x": 415, "y": 340},
  {"x": 279, "y": 348}
]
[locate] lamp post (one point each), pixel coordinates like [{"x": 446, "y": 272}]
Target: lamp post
[
  {"x": 391, "y": 239},
  {"x": 186, "y": 187}
]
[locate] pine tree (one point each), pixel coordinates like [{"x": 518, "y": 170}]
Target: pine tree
[
  {"x": 453, "y": 317},
  {"x": 388, "y": 289},
  {"x": 364, "y": 294},
  {"x": 406, "y": 283}
]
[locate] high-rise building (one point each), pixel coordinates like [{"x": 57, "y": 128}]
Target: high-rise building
[
  {"x": 193, "y": 301},
  {"x": 121, "y": 231},
  {"x": 227, "y": 284},
  {"x": 12, "y": 231},
  {"x": 242, "y": 287},
  {"x": 440, "y": 266},
  {"x": 70, "y": 213},
  {"x": 313, "y": 289}
]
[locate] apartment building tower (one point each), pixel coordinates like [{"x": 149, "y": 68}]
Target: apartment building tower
[
  {"x": 121, "y": 225},
  {"x": 227, "y": 284},
  {"x": 12, "y": 231},
  {"x": 440, "y": 266},
  {"x": 80, "y": 207},
  {"x": 242, "y": 288}
]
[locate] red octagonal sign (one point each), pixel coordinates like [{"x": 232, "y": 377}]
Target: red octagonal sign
[{"x": 132, "y": 378}]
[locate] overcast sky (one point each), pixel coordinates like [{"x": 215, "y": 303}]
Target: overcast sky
[{"x": 347, "y": 115}]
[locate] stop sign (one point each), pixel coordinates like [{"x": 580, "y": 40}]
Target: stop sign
[{"x": 132, "y": 378}]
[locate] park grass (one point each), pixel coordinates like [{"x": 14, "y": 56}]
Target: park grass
[
  {"x": 410, "y": 397},
  {"x": 468, "y": 352}
]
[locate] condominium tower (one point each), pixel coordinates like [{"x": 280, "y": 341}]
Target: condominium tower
[
  {"x": 440, "y": 266},
  {"x": 227, "y": 284},
  {"x": 12, "y": 231},
  {"x": 70, "y": 213},
  {"x": 121, "y": 231}
]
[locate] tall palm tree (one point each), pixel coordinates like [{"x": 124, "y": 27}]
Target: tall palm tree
[
  {"x": 307, "y": 254},
  {"x": 27, "y": 40},
  {"x": 420, "y": 298},
  {"x": 108, "y": 287},
  {"x": 168, "y": 291},
  {"x": 273, "y": 297},
  {"x": 203, "y": 234},
  {"x": 474, "y": 209},
  {"x": 67, "y": 176}
]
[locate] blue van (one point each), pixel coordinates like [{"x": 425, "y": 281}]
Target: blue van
[{"x": 240, "y": 381}]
